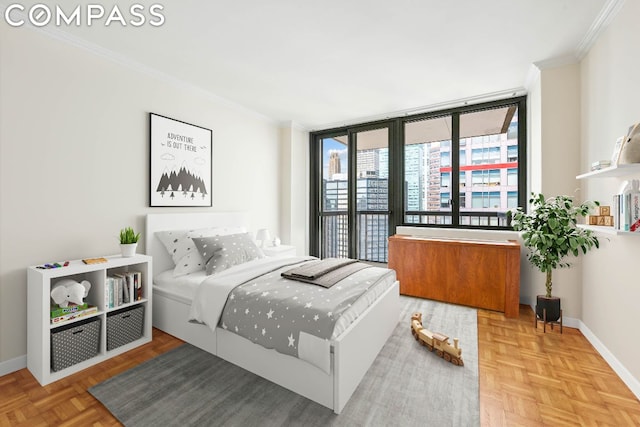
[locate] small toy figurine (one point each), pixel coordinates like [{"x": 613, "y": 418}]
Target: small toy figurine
[
  {"x": 68, "y": 290},
  {"x": 434, "y": 340}
]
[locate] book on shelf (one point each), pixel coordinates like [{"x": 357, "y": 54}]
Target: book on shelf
[
  {"x": 71, "y": 308},
  {"x": 626, "y": 207},
  {"x": 634, "y": 211},
  {"x": 137, "y": 285},
  {"x": 75, "y": 315},
  {"x": 123, "y": 288}
]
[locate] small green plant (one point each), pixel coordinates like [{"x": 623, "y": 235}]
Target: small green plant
[
  {"x": 128, "y": 236},
  {"x": 550, "y": 232}
]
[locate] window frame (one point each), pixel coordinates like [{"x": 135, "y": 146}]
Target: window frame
[{"x": 397, "y": 212}]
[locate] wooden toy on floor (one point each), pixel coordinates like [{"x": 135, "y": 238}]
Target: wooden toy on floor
[{"x": 434, "y": 340}]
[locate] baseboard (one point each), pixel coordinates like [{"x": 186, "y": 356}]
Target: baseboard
[
  {"x": 623, "y": 373},
  {"x": 13, "y": 365},
  {"x": 571, "y": 322},
  {"x": 618, "y": 368}
]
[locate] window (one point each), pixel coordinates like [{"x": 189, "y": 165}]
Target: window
[
  {"x": 485, "y": 177},
  {"x": 463, "y": 167},
  {"x": 485, "y": 200},
  {"x": 444, "y": 200},
  {"x": 512, "y": 177},
  {"x": 483, "y": 156},
  {"x": 445, "y": 179}
]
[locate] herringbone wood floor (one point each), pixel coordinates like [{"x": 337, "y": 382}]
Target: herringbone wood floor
[{"x": 527, "y": 378}]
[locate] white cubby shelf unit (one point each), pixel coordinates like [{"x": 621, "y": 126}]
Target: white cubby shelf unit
[{"x": 39, "y": 327}]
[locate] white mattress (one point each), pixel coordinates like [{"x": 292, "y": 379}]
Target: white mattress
[{"x": 183, "y": 288}]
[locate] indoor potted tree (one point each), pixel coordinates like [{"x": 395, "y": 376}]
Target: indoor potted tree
[
  {"x": 550, "y": 232},
  {"x": 128, "y": 241}
]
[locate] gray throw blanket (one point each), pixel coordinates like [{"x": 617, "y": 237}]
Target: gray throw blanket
[{"x": 326, "y": 272}]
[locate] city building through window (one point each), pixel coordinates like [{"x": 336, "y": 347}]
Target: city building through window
[{"x": 463, "y": 167}]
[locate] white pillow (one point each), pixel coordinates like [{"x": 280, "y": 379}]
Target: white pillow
[{"x": 183, "y": 251}]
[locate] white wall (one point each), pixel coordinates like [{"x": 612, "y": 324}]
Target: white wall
[
  {"x": 610, "y": 93},
  {"x": 294, "y": 192},
  {"x": 74, "y": 159},
  {"x": 560, "y": 163}
]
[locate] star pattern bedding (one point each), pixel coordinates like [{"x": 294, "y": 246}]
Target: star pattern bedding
[{"x": 291, "y": 317}]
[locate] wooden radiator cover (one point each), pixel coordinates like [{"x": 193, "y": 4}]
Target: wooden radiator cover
[{"x": 476, "y": 273}]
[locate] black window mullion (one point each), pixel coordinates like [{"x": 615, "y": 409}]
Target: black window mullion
[
  {"x": 522, "y": 155},
  {"x": 455, "y": 170},
  {"x": 352, "y": 178},
  {"x": 396, "y": 176},
  {"x": 315, "y": 190}
]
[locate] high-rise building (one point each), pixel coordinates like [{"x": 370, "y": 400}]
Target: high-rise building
[
  {"x": 334, "y": 164},
  {"x": 368, "y": 163}
]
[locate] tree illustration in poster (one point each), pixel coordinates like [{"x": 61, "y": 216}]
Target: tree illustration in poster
[{"x": 181, "y": 163}]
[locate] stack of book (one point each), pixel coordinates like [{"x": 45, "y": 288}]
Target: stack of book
[
  {"x": 626, "y": 207},
  {"x": 123, "y": 288},
  {"x": 73, "y": 311}
]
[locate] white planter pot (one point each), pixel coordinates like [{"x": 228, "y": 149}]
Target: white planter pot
[{"x": 128, "y": 250}]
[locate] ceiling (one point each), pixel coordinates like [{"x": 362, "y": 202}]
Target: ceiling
[{"x": 323, "y": 64}]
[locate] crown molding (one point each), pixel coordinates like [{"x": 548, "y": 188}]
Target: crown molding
[
  {"x": 559, "y": 61},
  {"x": 292, "y": 124},
  {"x": 606, "y": 15}
]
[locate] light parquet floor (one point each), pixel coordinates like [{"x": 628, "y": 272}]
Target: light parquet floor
[
  {"x": 527, "y": 378},
  {"x": 531, "y": 378}
]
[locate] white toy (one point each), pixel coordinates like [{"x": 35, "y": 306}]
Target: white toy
[{"x": 68, "y": 290}]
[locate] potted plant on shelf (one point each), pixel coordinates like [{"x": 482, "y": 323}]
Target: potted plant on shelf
[
  {"x": 128, "y": 241},
  {"x": 550, "y": 232}
]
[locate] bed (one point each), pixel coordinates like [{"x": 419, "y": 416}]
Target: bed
[{"x": 351, "y": 352}]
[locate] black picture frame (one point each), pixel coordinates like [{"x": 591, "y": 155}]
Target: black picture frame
[{"x": 181, "y": 163}]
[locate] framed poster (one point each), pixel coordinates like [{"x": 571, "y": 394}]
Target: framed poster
[{"x": 181, "y": 172}]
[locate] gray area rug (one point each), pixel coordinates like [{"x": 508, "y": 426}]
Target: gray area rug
[{"x": 406, "y": 386}]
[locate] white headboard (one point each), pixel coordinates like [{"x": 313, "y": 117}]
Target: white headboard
[{"x": 182, "y": 221}]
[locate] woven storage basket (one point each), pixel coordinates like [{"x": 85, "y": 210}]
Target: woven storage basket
[
  {"x": 74, "y": 343},
  {"x": 124, "y": 326}
]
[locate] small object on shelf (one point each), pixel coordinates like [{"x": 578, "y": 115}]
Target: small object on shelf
[
  {"x": 128, "y": 242},
  {"x": 69, "y": 290},
  {"x": 592, "y": 219},
  {"x": 436, "y": 341},
  {"x": 59, "y": 311},
  {"x": 600, "y": 164},
  {"x": 616, "y": 151},
  {"x": 630, "y": 150},
  {"x": 603, "y": 210},
  {"x": 94, "y": 260},
  {"x": 90, "y": 309},
  {"x": 608, "y": 221}
]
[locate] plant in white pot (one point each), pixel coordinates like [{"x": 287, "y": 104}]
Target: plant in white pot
[
  {"x": 550, "y": 232},
  {"x": 128, "y": 241}
]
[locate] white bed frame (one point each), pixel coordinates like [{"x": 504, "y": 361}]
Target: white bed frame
[{"x": 353, "y": 351}]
